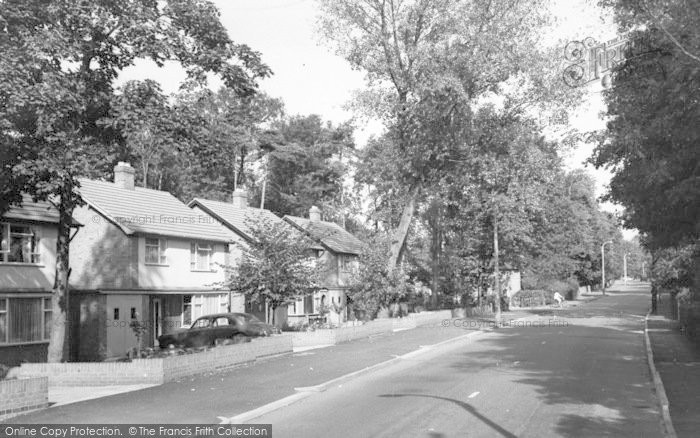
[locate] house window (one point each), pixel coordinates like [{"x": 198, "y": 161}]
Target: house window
[
  {"x": 155, "y": 251},
  {"x": 19, "y": 244},
  {"x": 345, "y": 262},
  {"x": 201, "y": 257},
  {"x": 25, "y": 320}
]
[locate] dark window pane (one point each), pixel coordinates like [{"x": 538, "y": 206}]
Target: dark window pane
[{"x": 25, "y": 319}]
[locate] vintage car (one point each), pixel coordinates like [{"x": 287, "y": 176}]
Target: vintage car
[{"x": 219, "y": 328}]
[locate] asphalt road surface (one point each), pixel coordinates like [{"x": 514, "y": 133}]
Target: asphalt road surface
[
  {"x": 581, "y": 375},
  {"x": 578, "y": 371}
]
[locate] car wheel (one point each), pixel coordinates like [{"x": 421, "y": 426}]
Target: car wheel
[
  {"x": 220, "y": 341},
  {"x": 239, "y": 339}
]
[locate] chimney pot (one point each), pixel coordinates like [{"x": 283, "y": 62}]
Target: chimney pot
[
  {"x": 240, "y": 199},
  {"x": 124, "y": 175},
  {"x": 314, "y": 214}
]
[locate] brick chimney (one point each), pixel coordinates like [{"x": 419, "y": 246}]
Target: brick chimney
[
  {"x": 124, "y": 175},
  {"x": 314, "y": 214},
  {"x": 240, "y": 199}
]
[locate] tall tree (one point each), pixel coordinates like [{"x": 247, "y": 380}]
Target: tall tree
[
  {"x": 652, "y": 134},
  {"x": 58, "y": 63},
  {"x": 305, "y": 166},
  {"x": 410, "y": 49}
]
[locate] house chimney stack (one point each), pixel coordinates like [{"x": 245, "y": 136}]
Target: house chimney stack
[
  {"x": 240, "y": 199},
  {"x": 314, "y": 214},
  {"x": 124, "y": 175}
]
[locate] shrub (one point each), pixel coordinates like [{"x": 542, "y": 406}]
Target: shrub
[
  {"x": 530, "y": 298},
  {"x": 4, "y": 369}
]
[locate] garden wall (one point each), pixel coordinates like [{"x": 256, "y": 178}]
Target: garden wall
[
  {"x": 155, "y": 371},
  {"x": 371, "y": 328},
  {"x": 19, "y": 395}
]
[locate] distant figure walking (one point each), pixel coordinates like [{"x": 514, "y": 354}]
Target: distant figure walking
[{"x": 559, "y": 299}]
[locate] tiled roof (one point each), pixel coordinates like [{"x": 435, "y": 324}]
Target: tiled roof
[
  {"x": 330, "y": 234},
  {"x": 146, "y": 211},
  {"x": 40, "y": 211},
  {"x": 236, "y": 218}
]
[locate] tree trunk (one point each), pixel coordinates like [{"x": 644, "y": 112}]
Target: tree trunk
[
  {"x": 59, "y": 298},
  {"x": 401, "y": 233},
  {"x": 496, "y": 272},
  {"x": 436, "y": 248}
]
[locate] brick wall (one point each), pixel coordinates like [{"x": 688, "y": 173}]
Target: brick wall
[
  {"x": 23, "y": 395},
  {"x": 378, "y": 326},
  {"x": 97, "y": 373},
  {"x": 156, "y": 371}
]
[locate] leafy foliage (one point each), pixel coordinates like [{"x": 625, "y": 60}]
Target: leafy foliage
[
  {"x": 652, "y": 135},
  {"x": 373, "y": 286},
  {"x": 58, "y": 63},
  {"x": 275, "y": 266}
]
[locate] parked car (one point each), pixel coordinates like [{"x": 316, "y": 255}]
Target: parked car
[{"x": 218, "y": 328}]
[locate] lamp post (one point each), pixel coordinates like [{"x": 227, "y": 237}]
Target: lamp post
[
  {"x": 624, "y": 264},
  {"x": 602, "y": 262}
]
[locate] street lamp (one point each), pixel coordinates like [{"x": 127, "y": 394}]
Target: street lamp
[{"x": 602, "y": 262}]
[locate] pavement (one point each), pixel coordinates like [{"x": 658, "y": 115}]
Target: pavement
[{"x": 677, "y": 361}]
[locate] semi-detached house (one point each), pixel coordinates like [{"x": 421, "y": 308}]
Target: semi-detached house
[
  {"x": 28, "y": 236},
  {"x": 143, "y": 256}
]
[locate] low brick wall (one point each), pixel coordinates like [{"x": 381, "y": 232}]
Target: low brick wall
[
  {"x": 18, "y": 395},
  {"x": 138, "y": 371},
  {"x": 223, "y": 357},
  {"x": 371, "y": 328},
  {"x": 155, "y": 371}
]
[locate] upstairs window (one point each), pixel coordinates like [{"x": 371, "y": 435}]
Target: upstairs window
[
  {"x": 155, "y": 251},
  {"x": 19, "y": 244},
  {"x": 345, "y": 262},
  {"x": 201, "y": 257}
]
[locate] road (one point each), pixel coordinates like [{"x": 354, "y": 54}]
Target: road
[
  {"x": 587, "y": 377},
  {"x": 566, "y": 372}
]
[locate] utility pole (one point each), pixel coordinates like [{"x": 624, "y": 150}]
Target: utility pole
[{"x": 602, "y": 262}]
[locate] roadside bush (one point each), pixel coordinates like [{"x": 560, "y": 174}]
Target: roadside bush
[
  {"x": 532, "y": 298},
  {"x": 4, "y": 369}
]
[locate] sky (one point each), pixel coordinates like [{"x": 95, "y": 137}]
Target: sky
[{"x": 311, "y": 79}]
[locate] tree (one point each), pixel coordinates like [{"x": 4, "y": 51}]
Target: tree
[
  {"x": 145, "y": 119},
  {"x": 275, "y": 265},
  {"x": 229, "y": 133},
  {"x": 373, "y": 286},
  {"x": 305, "y": 167},
  {"x": 411, "y": 49},
  {"x": 651, "y": 139},
  {"x": 58, "y": 62}
]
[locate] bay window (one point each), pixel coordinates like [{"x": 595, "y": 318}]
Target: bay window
[{"x": 25, "y": 320}]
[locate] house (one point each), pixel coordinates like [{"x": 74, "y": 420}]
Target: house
[
  {"x": 28, "y": 237},
  {"x": 237, "y": 216},
  {"x": 339, "y": 251},
  {"x": 142, "y": 257}
]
